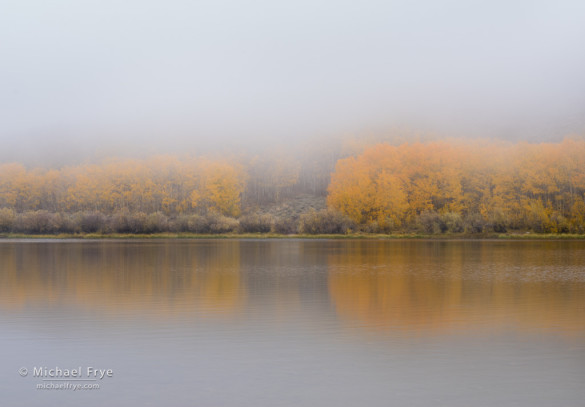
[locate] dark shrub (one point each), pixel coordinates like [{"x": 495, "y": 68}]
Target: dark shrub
[
  {"x": 452, "y": 222},
  {"x": 7, "y": 217},
  {"x": 119, "y": 223},
  {"x": 198, "y": 224},
  {"x": 475, "y": 223},
  {"x": 212, "y": 223},
  {"x": 156, "y": 222},
  {"x": 70, "y": 223},
  {"x": 285, "y": 226},
  {"x": 137, "y": 222},
  {"x": 124, "y": 222},
  {"x": 388, "y": 225},
  {"x": 325, "y": 222},
  {"x": 498, "y": 221},
  {"x": 430, "y": 222},
  {"x": 385, "y": 226},
  {"x": 179, "y": 224},
  {"x": 370, "y": 227},
  {"x": 36, "y": 222},
  {"x": 256, "y": 223},
  {"x": 222, "y": 224},
  {"x": 92, "y": 222}
]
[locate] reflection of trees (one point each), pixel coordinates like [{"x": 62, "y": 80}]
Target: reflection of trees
[
  {"x": 162, "y": 278},
  {"x": 286, "y": 279},
  {"x": 446, "y": 286},
  {"x": 387, "y": 285}
]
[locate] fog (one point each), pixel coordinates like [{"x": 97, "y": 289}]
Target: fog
[{"x": 80, "y": 78}]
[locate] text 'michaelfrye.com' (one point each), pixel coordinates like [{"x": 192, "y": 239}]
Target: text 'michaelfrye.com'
[{"x": 78, "y": 378}]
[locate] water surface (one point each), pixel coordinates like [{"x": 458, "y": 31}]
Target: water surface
[{"x": 296, "y": 322}]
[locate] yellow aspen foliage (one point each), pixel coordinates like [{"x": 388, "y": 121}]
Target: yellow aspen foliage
[
  {"x": 515, "y": 186},
  {"x": 527, "y": 186},
  {"x": 222, "y": 187},
  {"x": 158, "y": 184}
]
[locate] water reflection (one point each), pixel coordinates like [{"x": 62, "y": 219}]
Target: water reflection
[
  {"x": 142, "y": 278},
  {"x": 453, "y": 286},
  {"x": 297, "y": 322},
  {"x": 419, "y": 287}
]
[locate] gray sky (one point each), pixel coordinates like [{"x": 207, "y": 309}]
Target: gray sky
[{"x": 177, "y": 75}]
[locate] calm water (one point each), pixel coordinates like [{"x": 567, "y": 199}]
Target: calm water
[{"x": 295, "y": 322}]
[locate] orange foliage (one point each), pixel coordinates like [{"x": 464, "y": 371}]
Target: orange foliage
[
  {"x": 534, "y": 186},
  {"x": 162, "y": 183}
]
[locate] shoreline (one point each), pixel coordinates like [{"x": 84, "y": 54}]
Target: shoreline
[{"x": 354, "y": 236}]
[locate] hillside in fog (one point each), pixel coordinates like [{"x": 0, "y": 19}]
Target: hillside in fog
[
  {"x": 307, "y": 116},
  {"x": 433, "y": 187}
]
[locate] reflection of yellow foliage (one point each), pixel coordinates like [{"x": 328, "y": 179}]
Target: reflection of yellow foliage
[
  {"x": 146, "y": 279},
  {"x": 412, "y": 286}
]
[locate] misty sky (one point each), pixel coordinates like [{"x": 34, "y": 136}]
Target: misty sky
[{"x": 178, "y": 75}]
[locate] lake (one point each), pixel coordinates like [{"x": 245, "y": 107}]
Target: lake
[{"x": 292, "y": 323}]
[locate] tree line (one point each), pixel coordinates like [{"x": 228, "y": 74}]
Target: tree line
[
  {"x": 461, "y": 185},
  {"x": 430, "y": 187},
  {"x": 158, "y": 194}
]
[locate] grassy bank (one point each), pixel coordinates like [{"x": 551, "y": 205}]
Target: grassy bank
[{"x": 490, "y": 236}]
